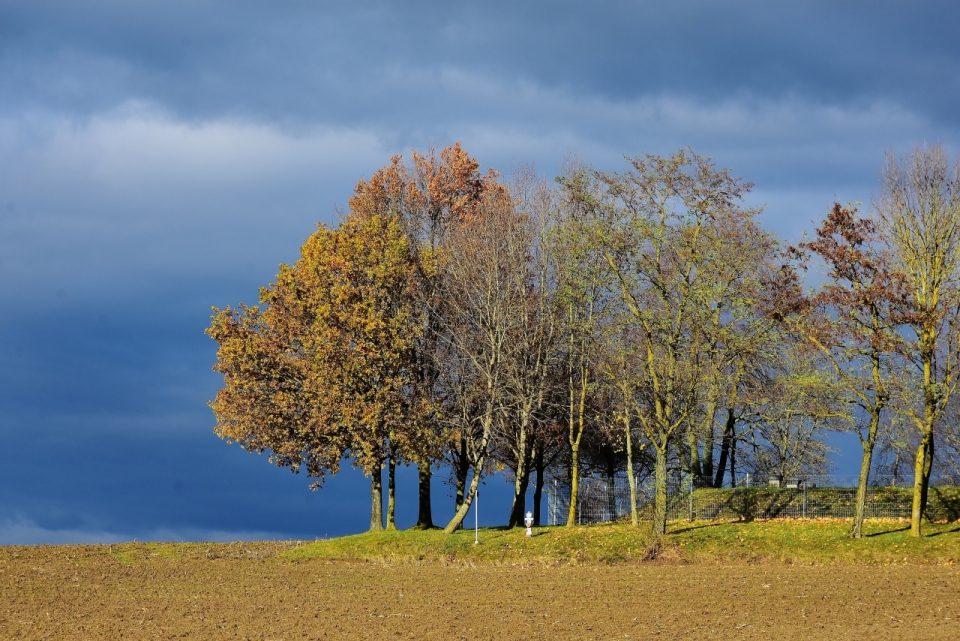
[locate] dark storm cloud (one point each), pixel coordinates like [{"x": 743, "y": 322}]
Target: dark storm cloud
[
  {"x": 383, "y": 63},
  {"x": 518, "y": 82}
]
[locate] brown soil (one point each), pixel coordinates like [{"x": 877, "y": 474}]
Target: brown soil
[{"x": 240, "y": 592}]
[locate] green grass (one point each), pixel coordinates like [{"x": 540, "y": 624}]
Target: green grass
[
  {"x": 781, "y": 541},
  {"x": 813, "y": 541},
  {"x": 497, "y": 545}
]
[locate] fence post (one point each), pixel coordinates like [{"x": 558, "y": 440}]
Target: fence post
[
  {"x": 804, "y": 481},
  {"x": 691, "y": 497},
  {"x": 556, "y": 498}
]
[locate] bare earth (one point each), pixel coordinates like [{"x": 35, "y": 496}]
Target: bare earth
[{"x": 240, "y": 592}]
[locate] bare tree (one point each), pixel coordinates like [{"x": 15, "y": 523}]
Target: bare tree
[
  {"x": 461, "y": 393},
  {"x": 532, "y": 355},
  {"x": 483, "y": 255},
  {"x": 918, "y": 213}
]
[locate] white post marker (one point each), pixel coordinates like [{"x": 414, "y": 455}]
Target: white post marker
[
  {"x": 476, "y": 518},
  {"x": 528, "y": 521}
]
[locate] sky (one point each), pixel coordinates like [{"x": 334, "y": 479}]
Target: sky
[{"x": 160, "y": 158}]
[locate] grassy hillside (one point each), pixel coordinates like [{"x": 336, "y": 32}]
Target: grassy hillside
[{"x": 785, "y": 541}]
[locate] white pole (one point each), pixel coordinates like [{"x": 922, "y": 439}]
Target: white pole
[{"x": 476, "y": 517}]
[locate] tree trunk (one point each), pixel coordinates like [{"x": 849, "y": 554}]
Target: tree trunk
[
  {"x": 856, "y": 530},
  {"x": 460, "y": 474},
  {"x": 631, "y": 479},
  {"x": 706, "y": 468},
  {"x": 391, "y": 492},
  {"x": 376, "y": 493},
  {"x": 924, "y": 461},
  {"x": 896, "y": 468},
  {"x": 694, "y": 446},
  {"x": 733, "y": 462},
  {"x": 660, "y": 493},
  {"x": 425, "y": 511},
  {"x": 574, "y": 484},
  {"x": 576, "y": 423},
  {"x": 461, "y": 514},
  {"x": 921, "y": 478},
  {"x": 707, "y": 465},
  {"x": 917, "y": 512},
  {"x": 538, "y": 488},
  {"x": 521, "y": 482},
  {"x": 725, "y": 448},
  {"x": 927, "y": 470},
  {"x": 519, "y": 501}
]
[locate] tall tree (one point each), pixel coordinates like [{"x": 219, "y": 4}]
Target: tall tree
[
  {"x": 428, "y": 194},
  {"x": 343, "y": 322},
  {"x": 735, "y": 331},
  {"x": 532, "y": 353},
  {"x": 446, "y": 188},
  {"x": 918, "y": 213},
  {"x": 659, "y": 226},
  {"x": 853, "y": 320},
  {"x": 581, "y": 286},
  {"x": 483, "y": 255}
]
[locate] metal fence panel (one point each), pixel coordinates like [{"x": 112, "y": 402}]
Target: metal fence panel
[{"x": 604, "y": 499}]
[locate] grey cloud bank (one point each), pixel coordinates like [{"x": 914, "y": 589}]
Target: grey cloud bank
[
  {"x": 160, "y": 158},
  {"x": 304, "y": 60}
]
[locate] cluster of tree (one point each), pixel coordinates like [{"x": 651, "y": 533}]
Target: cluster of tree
[{"x": 635, "y": 322}]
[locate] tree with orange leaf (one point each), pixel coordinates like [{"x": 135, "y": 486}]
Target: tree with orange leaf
[
  {"x": 428, "y": 195},
  {"x": 332, "y": 357},
  {"x": 357, "y": 322}
]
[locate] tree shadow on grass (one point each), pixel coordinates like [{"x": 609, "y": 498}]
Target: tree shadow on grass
[
  {"x": 701, "y": 526},
  {"x": 950, "y": 531},
  {"x": 905, "y": 528},
  {"x": 894, "y": 531}
]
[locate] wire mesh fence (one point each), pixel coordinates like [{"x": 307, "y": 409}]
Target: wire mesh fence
[{"x": 608, "y": 499}]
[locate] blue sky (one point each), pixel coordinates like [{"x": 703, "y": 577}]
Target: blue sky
[{"x": 157, "y": 158}]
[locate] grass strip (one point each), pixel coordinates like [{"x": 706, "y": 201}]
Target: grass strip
[{"x": 803, "y": 541}]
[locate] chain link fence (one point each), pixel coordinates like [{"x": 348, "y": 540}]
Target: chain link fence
[{"x": 608, "y": 499}]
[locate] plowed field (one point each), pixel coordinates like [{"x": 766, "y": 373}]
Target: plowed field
[{"x": 241, "y": 591}]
